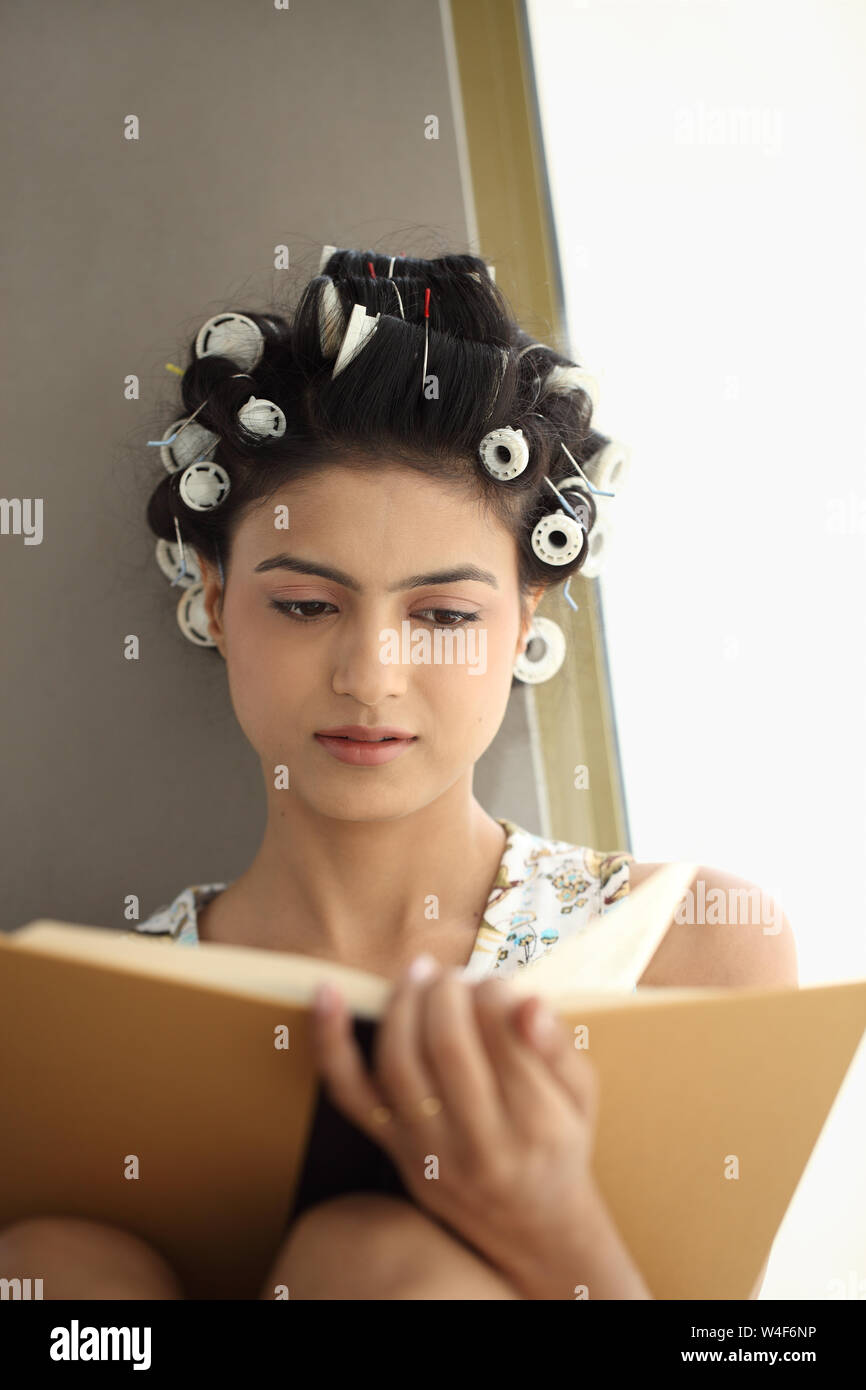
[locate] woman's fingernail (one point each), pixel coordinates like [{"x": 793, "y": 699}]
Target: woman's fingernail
[
  {"x": 543, "y": 1025},
  {"x": 325, "y": 999},
  {"x": 421, "y": 968}
]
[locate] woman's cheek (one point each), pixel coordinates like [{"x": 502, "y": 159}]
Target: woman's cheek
[
  {"x": 266, "y": 686},
  {"x": 476, "y": 692}
]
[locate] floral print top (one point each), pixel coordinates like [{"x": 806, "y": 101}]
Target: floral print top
[{"x": 544, "y": 891}]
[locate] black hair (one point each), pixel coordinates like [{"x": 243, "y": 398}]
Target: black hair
[{"x": 490, "y": 374}]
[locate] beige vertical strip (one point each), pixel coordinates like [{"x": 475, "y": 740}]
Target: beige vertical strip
[{"x": 571, "y": 717}]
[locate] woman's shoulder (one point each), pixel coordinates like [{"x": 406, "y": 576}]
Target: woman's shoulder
[
  {"x": 734, "y": 935},
  {"x": 730, "y": 933},
  {"x": 177, "y": 921}
]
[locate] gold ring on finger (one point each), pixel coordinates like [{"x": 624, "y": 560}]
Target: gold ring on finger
[{"x": 430, "y": 1105}]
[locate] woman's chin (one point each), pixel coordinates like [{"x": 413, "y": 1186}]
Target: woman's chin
[{"x": 365, "y": 804}]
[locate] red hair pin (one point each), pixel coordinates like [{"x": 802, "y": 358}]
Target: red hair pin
[{"x": 426, "y": 334}]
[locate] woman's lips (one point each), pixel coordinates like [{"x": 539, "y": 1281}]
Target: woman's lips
[{"x": 363, "y": 752}]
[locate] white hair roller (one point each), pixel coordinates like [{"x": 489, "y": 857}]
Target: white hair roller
[
  {"x": 233, "y": 336},
  {"x": 262, "y": 418},
  {"x": 327, "y": 253},
  {"x": 332, "y": 320},
  {"x": 504, "y": 453},
  {"x": 608, "y": 469},
  {"x": 599, "y": 546},
  {"x": 546, "y": 642},
  {"x": 204, "y": 486},
  {"x": 193, "y": 442},
  {"x": 534, "y": 347},
  {"x": 192, "y": 618},
  {"x": 359, "y": 331},
  {"x": 557, "y": 538},
  {"x": 560, "y": 380},
  {"x": 168, "y": 559}
]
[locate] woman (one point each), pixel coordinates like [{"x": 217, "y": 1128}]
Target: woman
[{"x": 350, "y": 489}]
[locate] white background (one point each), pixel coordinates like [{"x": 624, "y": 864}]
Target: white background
[{"x": 706, "y": 164}]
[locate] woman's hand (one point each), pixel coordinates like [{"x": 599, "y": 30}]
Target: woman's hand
[{"x": 504, "y": 1157}]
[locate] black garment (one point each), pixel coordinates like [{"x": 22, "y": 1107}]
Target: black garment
[{"x": 339, "y": 1157}]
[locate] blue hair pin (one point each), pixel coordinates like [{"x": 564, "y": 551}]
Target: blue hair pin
[
  {"x": 161, "y": 443},
  {"x": 597, "y": 490},
  {"x": 164, "y": 443},
  {"x": 184, "y": 572}
]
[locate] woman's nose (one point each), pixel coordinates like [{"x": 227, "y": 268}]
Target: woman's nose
[{"x": 364, "y": 664}]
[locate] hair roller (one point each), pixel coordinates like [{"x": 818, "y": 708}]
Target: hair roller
[
  {"x": 192, "y": 618},
  {"x": 560, "y": 380},
  {"x": 558, "y": 538},
  {"x": 504, "y": 453},
  {"x": 234, "y": 336},
  {"x": 332, "y": 318},
  {"x": 204, "y": 486},
  {"x": 544, "y": 652}
]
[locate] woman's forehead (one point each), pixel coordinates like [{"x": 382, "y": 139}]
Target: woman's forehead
[{"x": 396, "y": 511}]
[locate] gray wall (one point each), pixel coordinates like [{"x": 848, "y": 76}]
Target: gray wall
[{"x": 258, "y": 127}]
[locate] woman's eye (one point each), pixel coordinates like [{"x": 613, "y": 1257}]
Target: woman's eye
[
  {"x": 288, "y": 606},
  {"x": 297, "y": 609},
  {"x": 449, "y": 613}
]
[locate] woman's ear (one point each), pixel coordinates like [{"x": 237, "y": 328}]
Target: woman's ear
[
  {"x": 212, "y": 599},
  {"x": 531, "y": 602}
]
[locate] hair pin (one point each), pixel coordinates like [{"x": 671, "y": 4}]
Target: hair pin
[
  {"x": 258, "y": 417},
  {"x": 182, "y": 553},
  {"x": 172, "y": 437},
  {"x": 565, "y": 504},
  {"x": 162, "y": 443},
  {"x": 597, "y": 490},
  {"x": 390, "y": 278},
  {"x": 426, "y": 335}
]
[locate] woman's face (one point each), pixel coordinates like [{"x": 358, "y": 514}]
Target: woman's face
[{"x": 360, "y": 629}]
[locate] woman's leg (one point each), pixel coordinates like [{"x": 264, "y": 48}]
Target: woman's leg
[
  {"x": 367, "y": 1245},
  {"x": 75, "y": 1258}
]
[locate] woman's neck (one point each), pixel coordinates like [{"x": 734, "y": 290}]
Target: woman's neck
[{"x": 371, "y": 894}]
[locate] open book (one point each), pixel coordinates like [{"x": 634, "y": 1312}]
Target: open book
[{"x": 149, "y": 1085}]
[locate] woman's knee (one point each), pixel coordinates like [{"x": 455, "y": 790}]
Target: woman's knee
[
  {"x": 365, "y": 1245},
  {"x": 77, "y": 1258}
]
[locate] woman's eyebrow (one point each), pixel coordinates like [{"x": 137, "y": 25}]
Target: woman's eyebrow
[{"x": 412, "y": 581}]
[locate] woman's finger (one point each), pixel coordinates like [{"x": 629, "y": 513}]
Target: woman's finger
[
  {"x": 550, "y": 1038},
  {"x": 343, "y": 1069},
  {"x": 530, "y": 1094},
  {"x": 458, "y": 1061},
  {"x": 401, "y": 1071}
]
